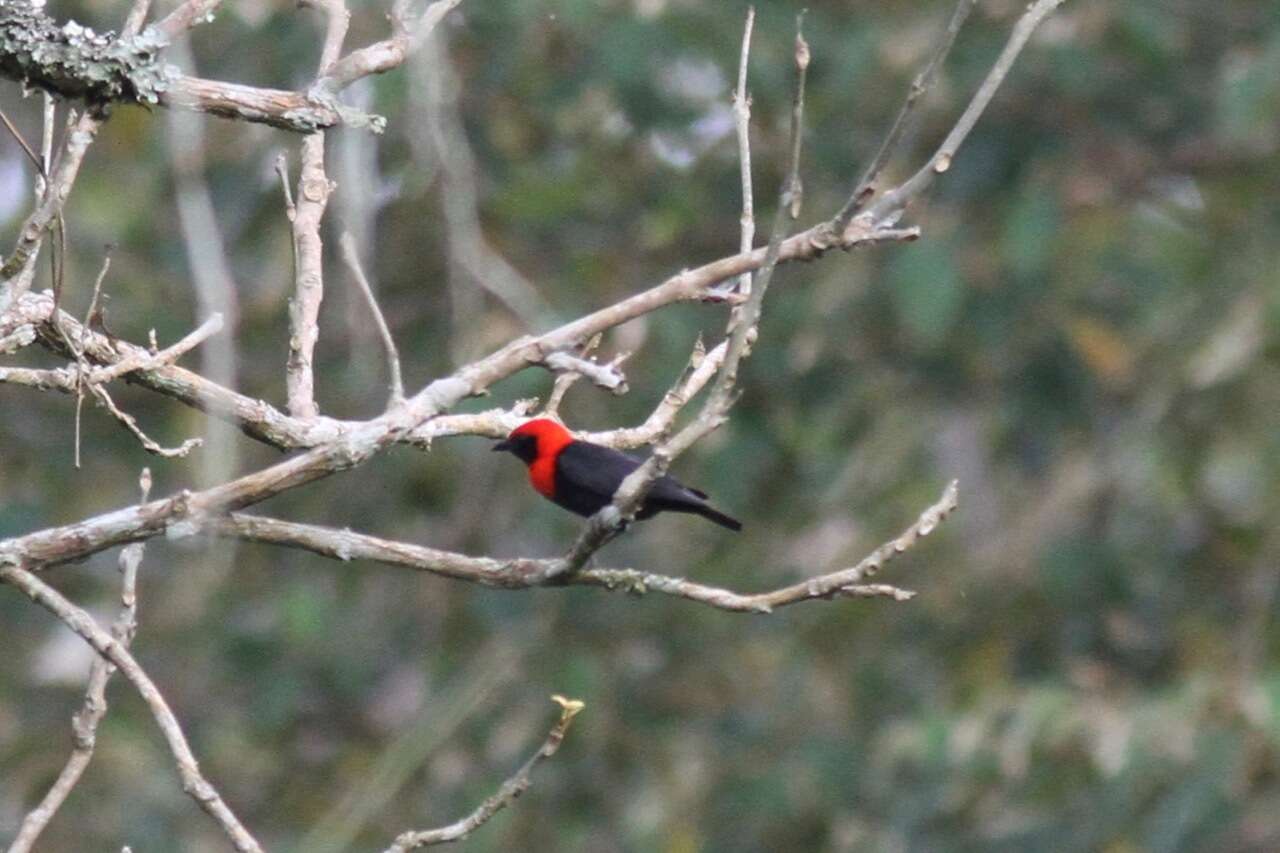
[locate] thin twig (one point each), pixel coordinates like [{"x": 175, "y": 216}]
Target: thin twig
[
  {"x": 92, "y": 380},
  {"x": 516, "y": 785},
  {"x": 282, "y": 169},
  {"x": 742, "y": 114},
  {"x": 91, "y": 311},
  {"x": 923, "y": 82},
  {"x": 130, "y": 423},
  {"x": 79, "y": 621},
  {"x": 846, "y": 583},
  {"x": 406, "y": 34},
  {"x": 84, "y": 724},
  {"x": 898, "y": 198},
  {"x": 22, "y": 143},
  {"x": 167, "y": 356},
  {"x": 78, "y": 350},
  {"x": 352, "y": 259},
  {"x": 701, "y": 368},
  {"x": 50, "y": 116},
  {"x": 337, "y": 20},
  {"x": 48, "y": 211}
]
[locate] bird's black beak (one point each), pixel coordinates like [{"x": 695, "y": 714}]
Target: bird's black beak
[{"x": 501, "y": 446}]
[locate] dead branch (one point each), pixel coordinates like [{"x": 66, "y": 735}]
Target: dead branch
[
  {"x": 524, "y": 573},
  {"x": 84, "y": 724},
  {"x": 608, "y": 376},
  {"x": 78, "y": 620},
  {"x": 507, "y": 793},
  {"x": 898, "y": 198},
  {"x": 922, "y": 83}
]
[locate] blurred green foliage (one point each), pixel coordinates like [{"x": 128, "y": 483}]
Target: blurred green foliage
[{"x": 1085, "y": 337}]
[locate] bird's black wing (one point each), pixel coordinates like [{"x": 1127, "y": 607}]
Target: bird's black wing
[{"x": 587, "y": 475}]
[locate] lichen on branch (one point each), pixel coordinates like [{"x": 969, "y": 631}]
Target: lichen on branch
[{"x": 74, "y": 61}]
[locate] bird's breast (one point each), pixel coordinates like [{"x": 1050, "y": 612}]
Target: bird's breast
[{"x": 542, "y": 474}]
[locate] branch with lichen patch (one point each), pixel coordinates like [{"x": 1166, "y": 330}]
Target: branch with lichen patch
[{"x": 75, "y": 62}]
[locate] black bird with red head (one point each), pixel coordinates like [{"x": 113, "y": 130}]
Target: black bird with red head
[{"x": 582, "y": 477}]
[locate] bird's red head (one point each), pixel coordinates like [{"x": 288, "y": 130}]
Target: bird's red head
[{"x": 542, "y": 438}]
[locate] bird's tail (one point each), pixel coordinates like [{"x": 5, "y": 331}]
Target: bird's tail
[{"x": 718, "y": 517}]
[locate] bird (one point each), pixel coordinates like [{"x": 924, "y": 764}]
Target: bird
[{"x": 582, "y": 477}]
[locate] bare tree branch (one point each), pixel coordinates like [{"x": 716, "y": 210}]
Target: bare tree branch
[
  {"x": 31, "y": 45},
  {"x": 186, "y": 16},
  {"x": 84, "y": 724},
  {"x": 850, "y": 582},
  {"x": 130, "y": 423},
  {"x": 702, "y": 367},
  {"x": 193, "y": 783},
  {"x": 300, "y": 112},
  {"x": 507, "y": 793},
  {"x": 407, "y": 32},
  {"x": 163, "y": 358},
  {"x": 566, "y": 380},
  {"x": 31, "y": 234},
  {"x": 922, "y": 83},
  {"x": 74, "y": 62},
  {"x": 128, "y": 69},
  {"x": 608, "y": 376},
  {"x": 898, "y": 198},
  {"x": 314, "y": 188},
  {"x": 137, "y": 359},
  {"x": 523, "y": 573},
  {"x": 265, "y": 423},
  {"x": 346, "y": 445}
]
